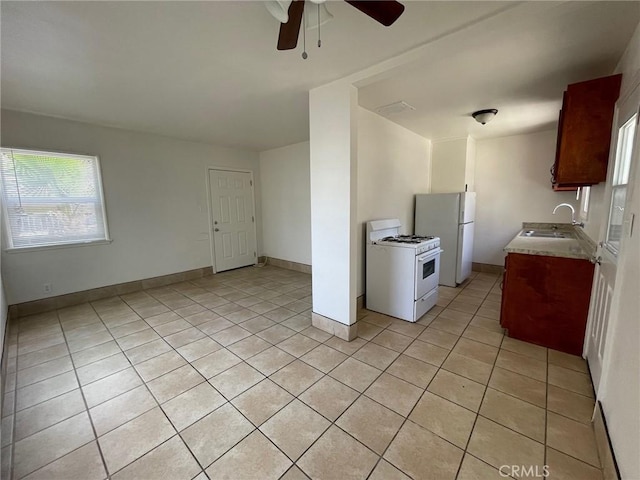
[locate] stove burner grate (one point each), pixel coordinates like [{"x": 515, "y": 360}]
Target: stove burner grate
[{"x": 415, "y": 239}]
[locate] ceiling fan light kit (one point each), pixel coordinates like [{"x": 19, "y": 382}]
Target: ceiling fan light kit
[
  {"x": 314, "y": 21},
  {"x": 484, "y": 116},
  {"x": 290, "y": 14},
  {"x": 279, "y": 9}
]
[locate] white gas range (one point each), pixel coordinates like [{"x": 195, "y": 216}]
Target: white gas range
[{"x": 402, "y": 271}]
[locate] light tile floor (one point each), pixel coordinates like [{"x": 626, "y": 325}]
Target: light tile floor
[{"x": 224, "y": 377}]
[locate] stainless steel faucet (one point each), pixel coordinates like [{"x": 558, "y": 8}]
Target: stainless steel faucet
[{"x": 573, "y": 214}]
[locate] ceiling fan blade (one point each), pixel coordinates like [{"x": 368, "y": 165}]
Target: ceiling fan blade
[
  {"x": 288, "y": 37},
  {"x": 384, "y": 11}
]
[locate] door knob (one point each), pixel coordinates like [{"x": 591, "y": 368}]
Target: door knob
[{"x": 216, "y": 229}]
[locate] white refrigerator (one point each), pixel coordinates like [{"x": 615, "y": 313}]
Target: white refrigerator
[{"x": 449, "y": 216}]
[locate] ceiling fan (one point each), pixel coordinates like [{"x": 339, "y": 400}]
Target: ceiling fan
[{"x": 290, "y": 14}]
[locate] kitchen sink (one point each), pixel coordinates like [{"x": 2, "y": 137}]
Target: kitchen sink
[{"x": 546, "y": 234}]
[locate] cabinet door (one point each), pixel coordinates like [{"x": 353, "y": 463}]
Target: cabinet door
[
  {"x": 503, "y": 317},
  {"x": 554, "y": 168},
  {"x": 585, "y": 135},
  {"x": 546, "y": 300}
]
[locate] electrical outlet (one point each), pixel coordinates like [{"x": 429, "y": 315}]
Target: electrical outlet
[{"x": 47, "y": 288}]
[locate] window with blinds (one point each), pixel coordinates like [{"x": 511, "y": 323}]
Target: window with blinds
[{"x": 51, "y": 199}]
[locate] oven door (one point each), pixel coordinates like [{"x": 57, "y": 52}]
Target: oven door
[{"x": 427, "y": 272}]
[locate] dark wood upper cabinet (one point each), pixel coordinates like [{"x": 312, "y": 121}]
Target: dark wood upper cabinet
[{"x": 584, "y": 133}]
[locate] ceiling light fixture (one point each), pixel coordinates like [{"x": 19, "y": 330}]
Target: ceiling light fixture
[
  {"x": 484, "y": 116},
  {"x": 323, "y": 16},
  {"x": 279, "y": 9}
]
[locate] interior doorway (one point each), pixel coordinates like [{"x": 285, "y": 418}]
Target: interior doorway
[
  {"x": 616, "y": 223},
  {"x": 232, "y": 213}
]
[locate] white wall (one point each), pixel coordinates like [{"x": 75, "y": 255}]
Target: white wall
[
  {"x": 286, "y": 203},
  {"x": 452, "y": 165},
  {"x": 512, "y": 186},
  {"x": 470, "y": 169},
  {"x": 393, "y": 165},
  {"x": 629, "y": 66},
  {"x": 156, "y": 197},
  {"x": 333, "y": 158}
]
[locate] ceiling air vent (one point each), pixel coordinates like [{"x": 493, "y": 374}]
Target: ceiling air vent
[{"x": 394, "y": 108}]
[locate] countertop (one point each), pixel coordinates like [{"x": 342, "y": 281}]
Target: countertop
[{"x": 581, "y": 247}]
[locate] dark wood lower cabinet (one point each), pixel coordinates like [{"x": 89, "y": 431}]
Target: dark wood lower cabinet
[{"x": 545, "y": 300}]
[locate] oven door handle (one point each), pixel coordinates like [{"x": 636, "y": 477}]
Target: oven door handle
[{"x": 428, "y": 255}]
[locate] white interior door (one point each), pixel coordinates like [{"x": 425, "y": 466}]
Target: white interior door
[
  {"x": 615, "y": 221},
  {"x": 232, "y": 219}
]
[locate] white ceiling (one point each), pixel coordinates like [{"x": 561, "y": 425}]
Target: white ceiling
[
  {"x": 519, "y": 62},
  {"x": 209, "y": 71}
]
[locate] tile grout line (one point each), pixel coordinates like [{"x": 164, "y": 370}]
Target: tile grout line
[
  {"x": 323, "y": 342},
  {"x": 406, "y": 419},
  {"x": 546, "y": 411},
  {"x": 475, "y": 420},
  {"x": 331, "y": 423},
  {"x": 546, "y": 408},
  {"x": 295, "y": 397},
  {"x": 230, "y": 402},
  {"x": 178, "y": 434},
  {"x": 80, "y": 390},
  {"x": 15, "y": 411},
  {"x": 274, "y": 345},
  {"x": 95, "y": 437},
  {"x": 159, "y": 405},
  {"x": 504, "y": 426},
  {"x": 426, "y": 390},
  {"x": 478, "y": 414},
  {"x": 427, "y": 387},
  {"x": 93, "y": 427},
  {"x": 486, "y": 387},
  {"x": 204, "y": 381}
]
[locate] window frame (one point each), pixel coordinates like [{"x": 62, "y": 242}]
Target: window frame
[
  {"x": 620, "y": 178},
  {"x": 6, "y": 228},
  {"x": 584, "y": 194}
]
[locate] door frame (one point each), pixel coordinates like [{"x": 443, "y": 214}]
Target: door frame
[
  {"x": 210, "y": 209},
  {"x": 632, "y": 94}
]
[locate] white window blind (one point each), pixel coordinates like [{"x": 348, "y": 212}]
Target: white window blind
[{"x": 51, "y": 198}]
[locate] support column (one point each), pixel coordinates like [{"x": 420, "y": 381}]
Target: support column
[{"x": 333, "y": 144}]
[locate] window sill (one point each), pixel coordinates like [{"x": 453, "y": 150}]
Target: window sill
[{"x": 56, "y": 247}]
